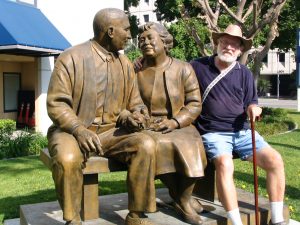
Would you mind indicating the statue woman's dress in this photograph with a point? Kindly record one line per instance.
(172, 91)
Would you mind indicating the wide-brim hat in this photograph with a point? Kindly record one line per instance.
(235, 31)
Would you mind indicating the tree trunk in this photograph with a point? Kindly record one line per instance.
(256, 68)
(244, 57)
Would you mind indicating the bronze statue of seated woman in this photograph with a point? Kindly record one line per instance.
(169, 89)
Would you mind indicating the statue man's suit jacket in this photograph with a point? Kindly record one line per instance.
(72, 93)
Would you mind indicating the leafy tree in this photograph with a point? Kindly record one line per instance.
(128, 3)
(185, 47)
(257, 18)
(289, 21)
(132, 19)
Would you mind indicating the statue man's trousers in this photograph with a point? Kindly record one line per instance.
(137, 150)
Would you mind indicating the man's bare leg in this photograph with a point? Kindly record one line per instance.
(226, 188)
(270, 160)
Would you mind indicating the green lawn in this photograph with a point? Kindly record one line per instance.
(26, 180)
(288, 145)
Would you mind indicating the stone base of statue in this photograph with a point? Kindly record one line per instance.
(113, 210)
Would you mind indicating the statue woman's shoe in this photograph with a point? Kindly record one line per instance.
(196, 204)
(137, 221)
(194, 219)
(280, 223)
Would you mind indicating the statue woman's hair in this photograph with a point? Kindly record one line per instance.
(164, 34)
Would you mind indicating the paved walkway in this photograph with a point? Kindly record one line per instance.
(113, 210)
(278, 103)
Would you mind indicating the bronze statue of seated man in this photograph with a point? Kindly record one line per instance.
(95, 105)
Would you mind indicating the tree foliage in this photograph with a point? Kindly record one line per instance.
(128, 3)
(185, 47)
(132, 19)
(269, 23)
(257, 18)
(289, 21)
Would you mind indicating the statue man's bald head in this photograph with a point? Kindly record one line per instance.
(106, 18)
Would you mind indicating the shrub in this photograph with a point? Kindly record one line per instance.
(7, 127)
(22, 143)
(17, 144)
(274, 112)
(37, 144)
(263, 86)
(274, 120)
(133, 54)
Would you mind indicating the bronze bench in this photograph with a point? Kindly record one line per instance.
(94, 166)
(205, 187)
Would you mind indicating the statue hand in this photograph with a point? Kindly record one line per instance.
(88, 141)
(166, 126)
(138, 64)
(135, 122)
(145, 113)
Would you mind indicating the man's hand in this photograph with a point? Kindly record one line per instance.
(165, 125)
(254, 112)
(88, 141)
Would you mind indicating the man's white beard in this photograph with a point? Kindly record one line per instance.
(225, 58)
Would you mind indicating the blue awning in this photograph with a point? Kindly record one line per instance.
(25, 30)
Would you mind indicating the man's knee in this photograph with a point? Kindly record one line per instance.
(65, 150)
(224, 163)
(270, 159)
(69, 157)
(146, 144)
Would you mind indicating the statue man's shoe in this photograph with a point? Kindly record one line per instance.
(137, 221)
(196, 204)
(193, 219)
(73, 223)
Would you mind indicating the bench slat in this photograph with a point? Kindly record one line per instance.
(95, 164)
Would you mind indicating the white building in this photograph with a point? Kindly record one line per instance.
(280, 62)
(23, 67)
(144, 11)
(277, 67)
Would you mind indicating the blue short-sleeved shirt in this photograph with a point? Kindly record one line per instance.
(224, 109)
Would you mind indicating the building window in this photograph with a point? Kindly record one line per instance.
(29, 2)
(147, 1)
(282, 57)
(146, 18)
(11, 86)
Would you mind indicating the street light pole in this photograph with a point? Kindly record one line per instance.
(298, 69)
(278, 80)
(278, 83)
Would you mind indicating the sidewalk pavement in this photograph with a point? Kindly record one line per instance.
(114, 210)
(278, 103)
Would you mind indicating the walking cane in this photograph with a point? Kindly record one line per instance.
(254, 170)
